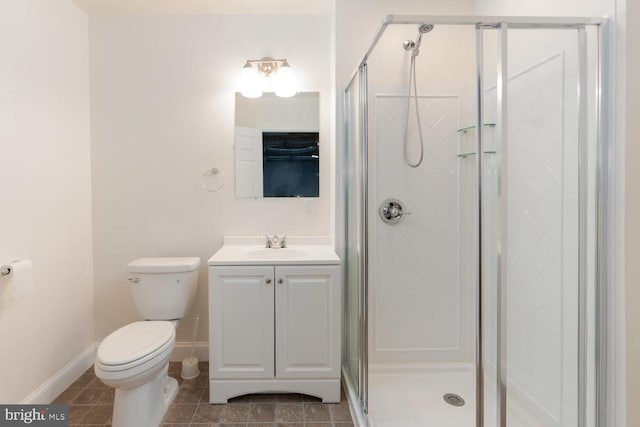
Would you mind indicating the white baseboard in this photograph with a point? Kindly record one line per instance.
(69, 373)
(182, 350)
(62, 379)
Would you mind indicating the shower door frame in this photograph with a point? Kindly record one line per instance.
(603, 192)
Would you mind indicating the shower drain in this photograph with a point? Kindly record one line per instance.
(453, 399)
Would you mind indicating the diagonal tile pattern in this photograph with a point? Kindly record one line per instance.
(91, 404)
(541, 150)
(417, 259)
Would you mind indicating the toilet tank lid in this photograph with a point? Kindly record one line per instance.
(164, 265)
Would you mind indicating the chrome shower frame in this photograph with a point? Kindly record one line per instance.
(603, 203)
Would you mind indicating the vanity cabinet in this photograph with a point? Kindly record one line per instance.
(274, 328)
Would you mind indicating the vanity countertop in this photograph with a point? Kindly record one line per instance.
(300, 250)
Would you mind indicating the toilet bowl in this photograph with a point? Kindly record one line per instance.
(135, 358)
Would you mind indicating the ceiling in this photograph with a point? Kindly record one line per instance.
(205, 7)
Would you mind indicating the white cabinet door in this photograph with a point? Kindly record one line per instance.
(241, 301)
(308, 322)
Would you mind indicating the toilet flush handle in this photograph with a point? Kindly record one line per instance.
(134, 279)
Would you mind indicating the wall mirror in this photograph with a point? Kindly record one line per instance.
(277, 146)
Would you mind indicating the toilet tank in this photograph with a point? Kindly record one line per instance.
(163, 288)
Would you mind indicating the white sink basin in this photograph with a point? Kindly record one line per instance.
(250, 250)
(282, 253)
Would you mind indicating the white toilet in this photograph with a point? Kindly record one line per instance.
(135, 358)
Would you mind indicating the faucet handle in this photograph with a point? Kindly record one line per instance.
(267, 243)
(283, 241)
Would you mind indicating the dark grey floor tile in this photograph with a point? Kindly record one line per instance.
(235, 413)
(340, 411)
(180, 413)
(99, 415)
(343, 395)
(77, 413)
(201, 380)
(96, 383)
(206, 413)
(205, 396)
(67, 396)
(189, 394)
(289, 412)
(83, 380)
(106, 396)
(316, 412)
(349, 424)
(262, 412)
(329, 424)
(88, 396)
(175, 367)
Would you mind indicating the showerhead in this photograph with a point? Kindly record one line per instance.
(425, 28)
(414, 47)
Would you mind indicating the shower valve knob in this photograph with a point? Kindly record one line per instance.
(391, 211)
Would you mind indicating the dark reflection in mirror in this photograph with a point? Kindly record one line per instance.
(290, 164)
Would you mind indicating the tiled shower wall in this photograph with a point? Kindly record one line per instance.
(541, 246)
(419, 311)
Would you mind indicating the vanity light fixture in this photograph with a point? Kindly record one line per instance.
(268, 75)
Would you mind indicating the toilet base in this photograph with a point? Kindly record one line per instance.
(147, 404)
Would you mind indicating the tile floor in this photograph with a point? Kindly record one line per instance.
(91, 403)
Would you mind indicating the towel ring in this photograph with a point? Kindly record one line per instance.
(212, 171)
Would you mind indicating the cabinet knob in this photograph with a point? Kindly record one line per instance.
(280, 281)
(268, 281)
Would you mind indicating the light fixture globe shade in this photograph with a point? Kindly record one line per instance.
(251, 86)
(286, 85)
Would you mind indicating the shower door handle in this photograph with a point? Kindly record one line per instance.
(391, 211)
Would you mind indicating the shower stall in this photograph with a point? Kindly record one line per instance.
(475, 185)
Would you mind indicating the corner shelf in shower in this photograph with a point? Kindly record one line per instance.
(473, 153)
(468, 128)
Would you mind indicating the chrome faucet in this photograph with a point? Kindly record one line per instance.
(275, 242)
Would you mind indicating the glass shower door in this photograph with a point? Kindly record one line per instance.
(354, 257)
(536, 172)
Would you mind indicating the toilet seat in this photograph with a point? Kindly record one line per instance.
(135, 344)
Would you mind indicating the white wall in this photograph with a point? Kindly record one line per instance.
(356, 24)
(162, 99)
(45, 190)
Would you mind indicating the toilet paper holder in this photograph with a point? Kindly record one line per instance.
(5, 270)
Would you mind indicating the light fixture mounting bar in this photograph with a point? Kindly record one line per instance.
(268, 65)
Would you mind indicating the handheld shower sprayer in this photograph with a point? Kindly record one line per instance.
(414, 47)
